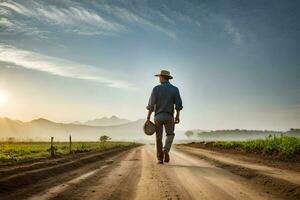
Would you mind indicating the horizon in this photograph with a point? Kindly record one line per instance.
(236, 64)
(84, 123)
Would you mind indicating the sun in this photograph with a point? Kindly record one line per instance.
(3, 98)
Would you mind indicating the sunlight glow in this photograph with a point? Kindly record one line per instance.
(3, 98)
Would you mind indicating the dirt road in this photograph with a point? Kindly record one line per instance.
(134, 174)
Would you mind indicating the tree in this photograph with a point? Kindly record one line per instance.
(104, 138)
(11, 139)
(189, 133)
(294, 129)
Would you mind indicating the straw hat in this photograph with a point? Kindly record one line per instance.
(149, 128)
(164, 73)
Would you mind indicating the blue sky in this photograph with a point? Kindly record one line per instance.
(236, 63)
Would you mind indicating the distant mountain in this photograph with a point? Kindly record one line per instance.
(41, 121)
(43, 129)
(104, 121)
(76, 122)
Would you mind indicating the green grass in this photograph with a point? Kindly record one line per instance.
(18, 151)
(282, 146)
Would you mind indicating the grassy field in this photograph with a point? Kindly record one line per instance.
(282, 146)
(18, 151)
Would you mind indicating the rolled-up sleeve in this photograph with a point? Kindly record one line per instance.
(152, 101)
(178, 101)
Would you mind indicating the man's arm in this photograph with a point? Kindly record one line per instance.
(149, 115)
(151, 105)
(178, 107)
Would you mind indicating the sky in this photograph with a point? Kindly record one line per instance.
(236, 63)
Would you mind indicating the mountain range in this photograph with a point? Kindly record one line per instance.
(118, 129)
(105, 121)
(43, 129)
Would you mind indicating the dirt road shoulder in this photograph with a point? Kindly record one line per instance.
(281, 181)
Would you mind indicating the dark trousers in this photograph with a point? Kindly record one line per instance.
(169, 129)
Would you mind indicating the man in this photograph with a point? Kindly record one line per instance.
(163, 99)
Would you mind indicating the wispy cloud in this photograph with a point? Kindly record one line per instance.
(15, 26)
(128, 16)
(179, 16)
(91, 17)
(57, 66)
(233, 31)
(13, 6)
(6, 23)
(73, 17)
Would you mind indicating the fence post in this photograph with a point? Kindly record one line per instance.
(70, 139)
(52, 148)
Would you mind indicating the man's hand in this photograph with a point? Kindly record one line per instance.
(177, 120)
(148, 121)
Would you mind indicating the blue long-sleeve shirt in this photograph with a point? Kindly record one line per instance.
(164, 98)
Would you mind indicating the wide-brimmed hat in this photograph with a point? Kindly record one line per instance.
(164, 73)
(149, 128)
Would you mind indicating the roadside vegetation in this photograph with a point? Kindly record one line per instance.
(237, 134)
(283, 146)
(19, 151)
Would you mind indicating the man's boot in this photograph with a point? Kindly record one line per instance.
(166, 156)
(160, 162)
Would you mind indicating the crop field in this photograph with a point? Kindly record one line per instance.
(18, 151)
(282, 146)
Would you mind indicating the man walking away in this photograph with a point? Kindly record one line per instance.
(163, 99)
